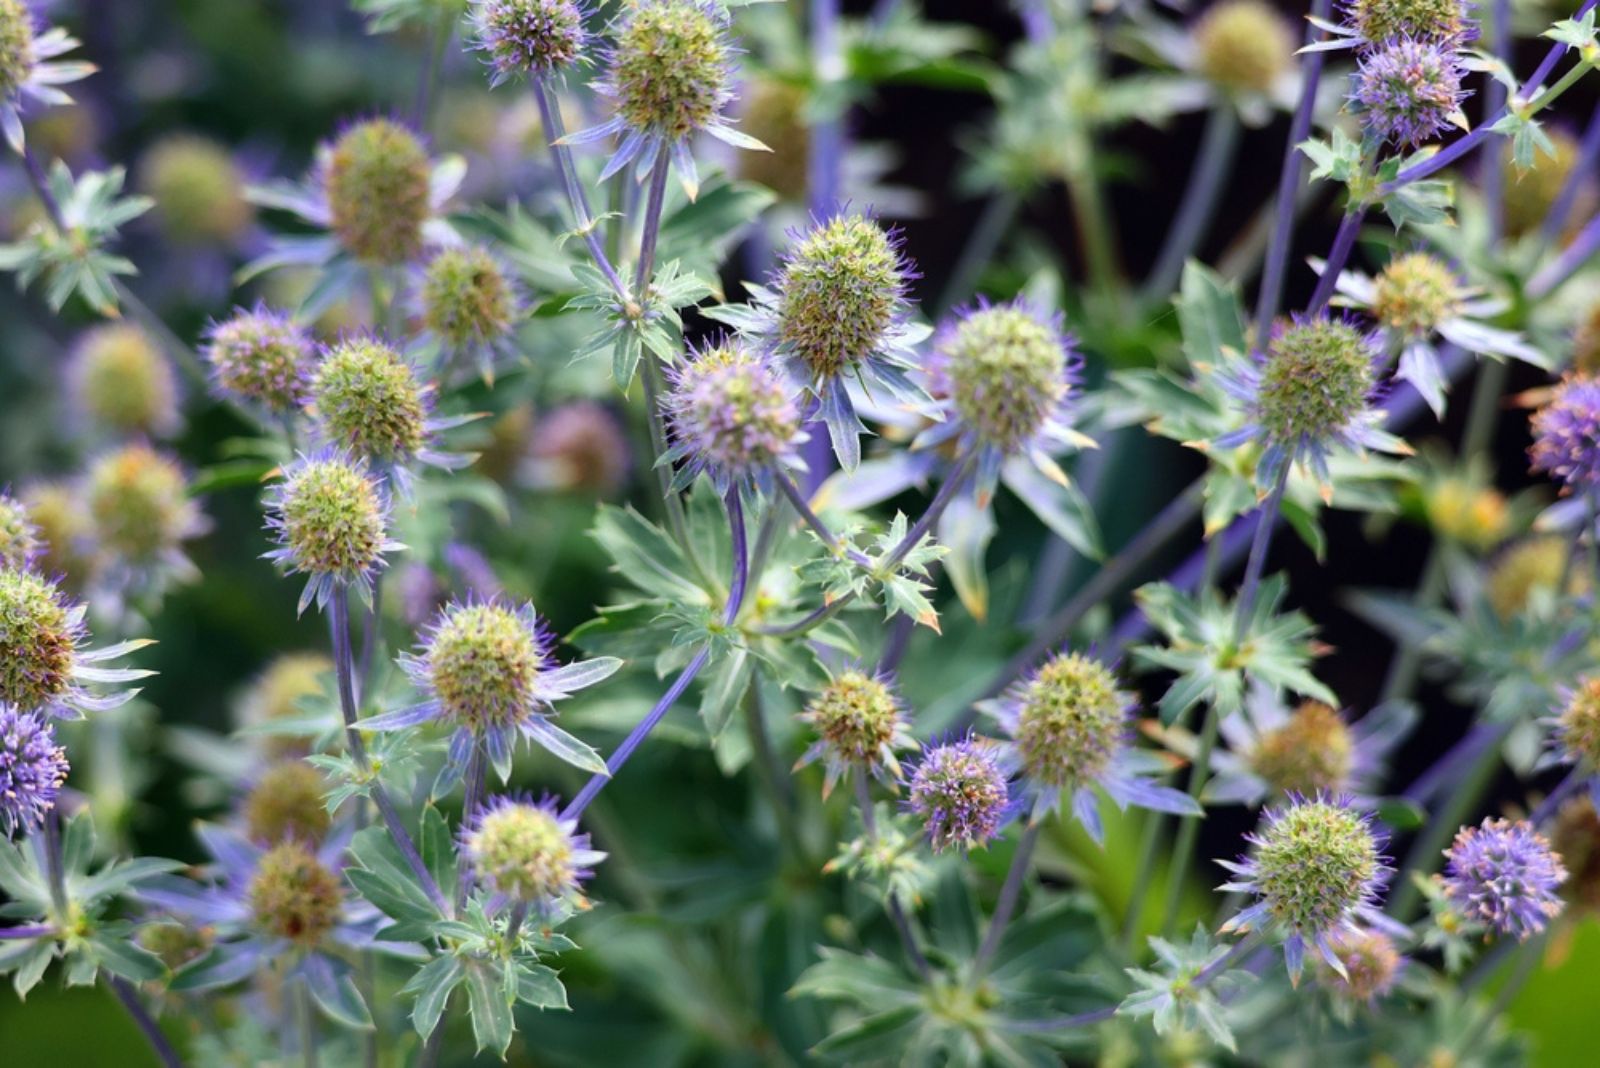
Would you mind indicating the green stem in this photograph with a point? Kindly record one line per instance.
(897, 914)
(1006, 906)
(1189, 830)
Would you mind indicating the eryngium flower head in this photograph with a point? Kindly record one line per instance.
(368, 399)
(961, 793)
(16, 47)
(482, 663)
(1312, 751)
(1244, 46)
(56, 510)
(1566, 434)
(669, 70)
(1070, 720)
(1504, 875)
(261, 357)
(1005, 370)
(294, 896)
(1432, 21)
(287, 802)
(1414, 293)
(1316, 870)
(526, 853)
(141, 510)
(331, 518)
(579, 446)
(1409, 91)
(468, 304)
(527, 37)
(19, 538)
(1578, 724)
(860, 723)
(840, 290)
(30, 72)
(32, 769)
(376, 179)
(731, 414)
(1531, 569)
(122, 383)
(1371, 966)
(1530, 192)
(198, 190)
(1462, 511)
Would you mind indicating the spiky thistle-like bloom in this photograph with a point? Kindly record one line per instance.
(142, 513)
(198, 190)
(121, 384)
(1068, 727)
(1244, 46)
(835, 312)
(286, 802)
(1004, 375)
(490, 674)
(1309, 393)
(860, 724)
(32, 769)
(960, 793)
(1372, 966)
(524, 853)
(731, 416)
(468, 305)
(43, 663)
(1316, 871)
(30, 71)
(261, 357)
(528, 38)
(1371, 24)
(1566, 434)
(668, 74)
(19, 537)
(1408, 92)
(1504, 875)
(330, 515)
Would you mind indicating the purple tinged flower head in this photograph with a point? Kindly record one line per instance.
(841, 290)
(1440, 22)
(331, 518)
(198, 190)
(286, 803)
(860, 723)
(1504, 875)
(731, 414)
(32, 769)
(1409, 91)
(261, 357)
(961, 793)
(39, 637)
(121, 383)
(524, 852)
(1372, 965)
(1316, 869)
(19, 537)
(1244, 46)
(294, 896)
(1566, 434)
(579, 446)
(376, 177)
(528, 37)
(482, 662)
(141, 508)
(57, 511)
(669, 72)
(468, 301)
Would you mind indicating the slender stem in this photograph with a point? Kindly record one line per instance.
(1277, 261)
(952, 485)
(1266, 523)
(344, 671)
(519, 912)
(370, 636)
(827, 141)
(802, 508)
(1582, 170)
(1572, 259)
(1527, 955)
(1461, 799)
(422, 110)
(1343, 242)
(1189, 830)
(472, 800)
(771, 771)
(1144, 876)
(1219, 143)
(894, 647)
(897, 913)
(809, 622)
(1006, 906)
(308, 1027)
(125, 994)
(987, 233)
(577, 199)
(27, 930)
(651, 233)
(1575, 780)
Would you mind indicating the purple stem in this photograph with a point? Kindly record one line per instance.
(1449, 767)
(129, 999)
(1338, 255)
(1575, 779)
(29, 930)
(652, 224)
(1010, 892)
(1494, 100)
(1266, 522)
(472, 800)
(952, 485)
(1036, 21)
(1277, 261)
(1582, 171)
(827, 134)
(577, 199)
(1568, 263)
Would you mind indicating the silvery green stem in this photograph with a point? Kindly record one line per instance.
(422, 110)
(128, 998)
(897, 914)
(1006, 906)
(54, 872)
(1219, 144)
(651, 233)
(472, 800)
(953, 484)
(1189, 830)
(1266, 523)
(802, 508)
(577, 199)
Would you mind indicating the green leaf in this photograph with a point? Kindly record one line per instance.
(540, 987)
(492, 1022)
(437, 845)
(432, 984)
(1209, 316)
(724, 690)
(125, 958)
(646, 556)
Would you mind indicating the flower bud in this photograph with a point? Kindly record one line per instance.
(1316, 380)
(377, 180)
(1475, 516)
(39, 638)
(731, 412)
(483, 663)
(1504, 875)
(16, 47)
(1315, 863)
(1566, 434)
(122, 383)
(32, 769)
(1070, 720)
(840, 290)
(294, 896)
(175, 943)
(960, 793)
(139, 502)
(1414, 293)
(1530, 192)
(860, 723)
(669, 69)
(1575, 835)
(261, 357)
(57, 512)
(1244, 46)
(528, 37)
(369, 399)
(1533, 565)
(198, 190)
(1409, 92)
(276, 695)
(466, 298)
(19, 538)
(579, 447)
(1311, 751)
(1006, 371)
(287, 803)
(528, 854)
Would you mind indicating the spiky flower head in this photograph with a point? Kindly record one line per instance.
(122, 383)
(294, 896)
(841, 289)
(32, 769)
(1575, 836)
(669, 69)
(39, 636)
(368, 399)
(261, 357)
(730, 414)
(961, 793)
(1578, 724)
(528, 37)
(1070, 721)
(16, 47)
(331, 518)
(483, 661)
(198, 190)
(19, 538)
(467, 299)
(1311, 751)
(524, 852)
(1317, 378)
(1005, 369)
(1566, 434)
(1414, 293)
(140, 506)
(1371, 965)
(860, 724)
(1504, 875)
(276, 694)
(57, 512)
(1244, 46)
(287, 802)
(1431, 21)
(376, 177)
(176, 943)
(1316, 868)
(1408, 92)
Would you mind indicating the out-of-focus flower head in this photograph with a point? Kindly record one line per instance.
(579, 446)
(732, 417)
(330, 515)
(1372, 966)
(198, 189)
(1244, 46)
(276, 696)
(1504, 875)
(142, 513)
(524, 853)
(528, 38)
(286, 802)
(121, 383)
(19, 538)
(468, 305)
(1566, 435)
(57, 512)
